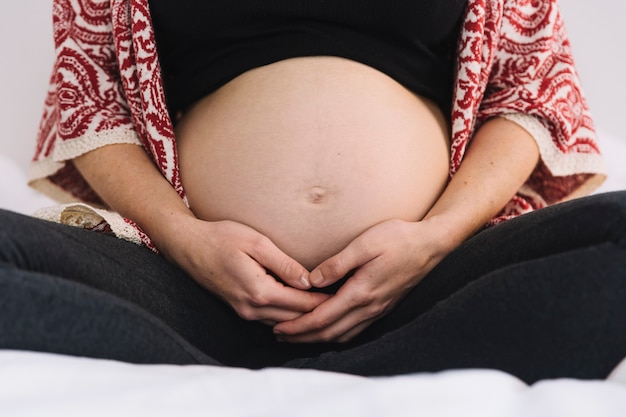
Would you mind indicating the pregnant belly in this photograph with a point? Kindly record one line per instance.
(311, 152)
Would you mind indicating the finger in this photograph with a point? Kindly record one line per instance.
(274, 302)
(271, 316)
(284, 267)
(340, 331)
(355, 331)
(356, 254)
(259, 291)
(340, 318)
(291, 299)
(320, 324)
(338, 335)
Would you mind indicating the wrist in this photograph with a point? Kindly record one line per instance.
(169, 228)
(450, 232)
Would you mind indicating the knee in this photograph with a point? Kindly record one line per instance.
(14, 230)
(617, 198)
(610, 208)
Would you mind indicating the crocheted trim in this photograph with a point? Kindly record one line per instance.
(40, 170)
(70, 149)
(51, 190)
(559, 164)
(88, 217)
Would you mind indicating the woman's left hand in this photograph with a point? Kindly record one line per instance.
(392, 257)
(388, 260)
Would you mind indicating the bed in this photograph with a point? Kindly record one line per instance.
(33, 384)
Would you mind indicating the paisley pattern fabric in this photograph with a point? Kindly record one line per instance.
(514, 60)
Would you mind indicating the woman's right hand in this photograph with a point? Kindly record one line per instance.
(229, 259)
(244, 268)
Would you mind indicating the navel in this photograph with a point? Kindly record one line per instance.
(317, 195)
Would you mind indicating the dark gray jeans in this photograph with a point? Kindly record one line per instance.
(540, 296)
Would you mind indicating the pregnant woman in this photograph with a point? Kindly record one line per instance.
(358, 187)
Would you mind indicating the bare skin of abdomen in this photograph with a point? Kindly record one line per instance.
(311, 152)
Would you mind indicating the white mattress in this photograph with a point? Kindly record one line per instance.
(34, 384)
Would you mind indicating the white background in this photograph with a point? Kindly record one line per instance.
(595, 27)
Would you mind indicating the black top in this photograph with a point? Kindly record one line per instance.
(204, 44)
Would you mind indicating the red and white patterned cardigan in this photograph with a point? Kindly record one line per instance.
(514, 60)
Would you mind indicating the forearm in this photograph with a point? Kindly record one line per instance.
(500, 159)
(229, 259)
(128, 181)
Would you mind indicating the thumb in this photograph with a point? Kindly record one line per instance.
(338, 266)
(282, 266)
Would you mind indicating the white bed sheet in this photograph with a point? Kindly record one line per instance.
(36, 384)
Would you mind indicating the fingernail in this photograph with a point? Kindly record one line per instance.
(305, 282)
(316, 278)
